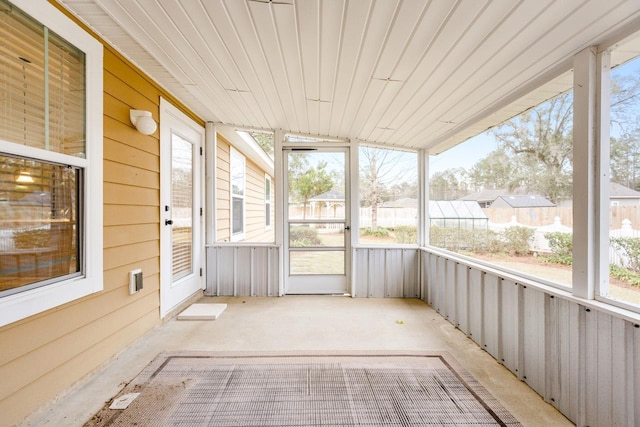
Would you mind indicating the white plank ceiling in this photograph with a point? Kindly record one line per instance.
(406, 73)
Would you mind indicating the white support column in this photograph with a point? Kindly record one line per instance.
(354, 192)
(280, 205)
(210, 176)
(585, 253)
(603, 107)
(353, 195)
(423, 198)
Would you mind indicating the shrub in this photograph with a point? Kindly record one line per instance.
(629, 250)
(405, 234)
(447, 238)
(304, 236)
(517, 240)
(561, 245)
(456, 239)
(378, 232)
(625, 275)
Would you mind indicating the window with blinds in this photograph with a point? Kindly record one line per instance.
(42, 87)
(42, 106)
(39, 233)
(182, 206)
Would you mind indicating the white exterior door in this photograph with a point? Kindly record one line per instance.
(316, 231)
(181, 216)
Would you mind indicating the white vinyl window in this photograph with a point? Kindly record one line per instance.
(50, 160)
(238, 192)
(267, 202)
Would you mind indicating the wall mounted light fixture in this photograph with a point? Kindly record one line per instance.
(24, 177)
(143, 121)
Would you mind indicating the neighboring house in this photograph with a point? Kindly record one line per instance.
(485, 197)
(619, 195)
(521, 201)
(329, 204)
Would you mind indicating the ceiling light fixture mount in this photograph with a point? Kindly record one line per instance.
(143, 121)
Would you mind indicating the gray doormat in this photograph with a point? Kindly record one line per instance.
(386, 389)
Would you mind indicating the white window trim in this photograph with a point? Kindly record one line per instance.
(268, 201)
(235, 237)
(28, 303)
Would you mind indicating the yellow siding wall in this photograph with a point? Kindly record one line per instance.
(45, 354)
(254, 200)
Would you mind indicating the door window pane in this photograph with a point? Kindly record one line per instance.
(182, 206)
(316, 262)
(316, 185)
(39, 235)
(320, 234)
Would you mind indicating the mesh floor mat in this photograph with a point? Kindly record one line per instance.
(218, 390)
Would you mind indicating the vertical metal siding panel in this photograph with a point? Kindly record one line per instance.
(393, 273)
(226, 269)
(491, 315)
(243, 271)
(210, 254)
(259, 271)
(274, 272)
(438, 289)
(589, 372)
(356, 276)
(449, 291)
(603, 368)
(552, 351)
(573, 367)
(462, 298)
(563, 367)
(508, 344)
(534, 339)
(411, 274)
(619, 378)
(475, 305)
(433, 278)
(363, 273)
(376, 273)
(426, 273)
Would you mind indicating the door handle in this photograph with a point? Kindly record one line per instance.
(168, 221)
(347, 228)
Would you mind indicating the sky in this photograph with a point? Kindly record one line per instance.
(463, 155)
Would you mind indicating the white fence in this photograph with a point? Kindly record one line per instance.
(389, 217)
(541, 244)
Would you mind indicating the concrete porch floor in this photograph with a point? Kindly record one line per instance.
(298, 323)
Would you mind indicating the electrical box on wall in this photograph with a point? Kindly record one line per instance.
(135, 281)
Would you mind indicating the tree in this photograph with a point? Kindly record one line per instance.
(264, 140)
(449, 184)
(309, 182)
(379, 169)
(496, 171)
(541, 141)
(625, 160)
